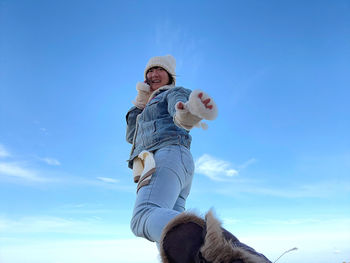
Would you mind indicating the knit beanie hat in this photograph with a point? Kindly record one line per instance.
(167, 62)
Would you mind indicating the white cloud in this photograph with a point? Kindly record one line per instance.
(247, 163)
(83, 209)
(3, 152)
(215, 169)
(87, 251)
(10, 171)
(322, 189)
(229, 221)
(37, 225)
(274, 244)
(44, 225)
(108, 180)
(172, 39)
(315, 190)
(331, 245)
(275, 236)
(15, 170)
(51, 161)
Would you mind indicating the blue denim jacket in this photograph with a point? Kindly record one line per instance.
(154, 125)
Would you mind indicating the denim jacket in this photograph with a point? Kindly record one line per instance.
(153, 127)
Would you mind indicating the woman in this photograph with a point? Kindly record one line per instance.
(158, 128)
(155, 125)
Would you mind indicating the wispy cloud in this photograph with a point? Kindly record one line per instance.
(44, 130)
(54, 224)
(16, 170)
(3, 152)
(271, 243)
(39, 126)
(229, 221)
(50, 161)
(30, 169)
(215, 169)
(72, 251)
(247, 163)
(172, 39)
(20, 173)
(83, 210)
(108, 180)
(324, 189)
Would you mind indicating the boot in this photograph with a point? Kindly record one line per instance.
(182, 239)
(190, 239)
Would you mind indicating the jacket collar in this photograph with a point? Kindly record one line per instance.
(161, 89)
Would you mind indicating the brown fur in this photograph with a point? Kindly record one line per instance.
(217, 249)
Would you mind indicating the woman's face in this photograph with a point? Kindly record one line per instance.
(157, 77)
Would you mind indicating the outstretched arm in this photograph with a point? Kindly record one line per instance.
(205, 102)
(199, 106)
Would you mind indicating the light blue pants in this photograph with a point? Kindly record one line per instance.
(165, 196)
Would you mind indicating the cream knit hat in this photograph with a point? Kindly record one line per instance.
(167, 62)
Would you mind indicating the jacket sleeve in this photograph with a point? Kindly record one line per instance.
(131, 123)
(175, 95)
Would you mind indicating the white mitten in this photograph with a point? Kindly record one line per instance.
(195, 110)
(143, 94)
(183, 117)
(197, 107)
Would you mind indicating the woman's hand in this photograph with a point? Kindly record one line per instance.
(143, 94)
(199, 106)
(205, 102)
(180, 106)
(202, 105)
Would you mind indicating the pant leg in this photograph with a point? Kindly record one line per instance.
(154, 206)
(180, 204)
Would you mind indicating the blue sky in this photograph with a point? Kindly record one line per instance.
(274, 165)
